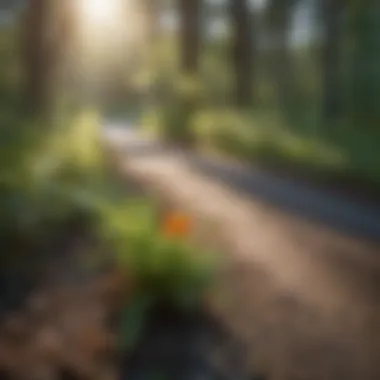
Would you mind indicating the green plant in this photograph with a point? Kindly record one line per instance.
(172, 120)
(163, 268)
(47, 174)
(167, 268)
(263, 137)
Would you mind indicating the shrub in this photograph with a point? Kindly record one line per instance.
(44, 174)
(161, 264)
(173, 118)
(264, 138)
(165, 267)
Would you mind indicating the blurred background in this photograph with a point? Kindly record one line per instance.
(290, 86)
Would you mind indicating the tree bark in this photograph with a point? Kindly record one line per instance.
(36, 58)
(190, 19)
(279, 14)
(365, 74)
(332, 13)
(152, 13)
(190, 40)
(47, 32)
(243, 49)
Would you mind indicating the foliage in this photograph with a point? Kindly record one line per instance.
(45, 174)
(287, 124)
(162, 265)
(173, 119)
(134, 318)
(365, 63)
(10, 69)
(165, 267)
(262, 137)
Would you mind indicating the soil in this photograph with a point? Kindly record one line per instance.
(179, 345)
(65, 327)
(57, 324)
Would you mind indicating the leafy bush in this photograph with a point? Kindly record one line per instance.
(262, 137)
(161, 268)
(173, 119)
(46, 175)
(167, 268)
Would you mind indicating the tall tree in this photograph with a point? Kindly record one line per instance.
(190, 35)
(46, 31)
(332, 17)
(243, 51)
(37, 55)
(152, 10)
(190, 41)
(279, 16)
(366, 62)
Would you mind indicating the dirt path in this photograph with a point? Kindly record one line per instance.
(304, 299)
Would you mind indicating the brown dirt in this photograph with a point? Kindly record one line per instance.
(63, 327)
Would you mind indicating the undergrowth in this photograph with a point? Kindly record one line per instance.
(161, 264)
(262, 137)
(51, 175)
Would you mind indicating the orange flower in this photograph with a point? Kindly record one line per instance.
(176, 225)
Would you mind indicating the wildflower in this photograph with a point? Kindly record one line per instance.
(176, 225)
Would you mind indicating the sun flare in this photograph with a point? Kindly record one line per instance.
(100, 11)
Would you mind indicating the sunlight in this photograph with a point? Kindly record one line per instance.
(109, 45)
(100, 11)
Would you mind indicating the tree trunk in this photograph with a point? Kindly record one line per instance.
(190, 35)
(332, 13)
(366, 64)
(36, 56)
(243, 52)
(280, 12)
(152, 14)
(68, 57)
(187, 102)
(283, 66)
(46, 35)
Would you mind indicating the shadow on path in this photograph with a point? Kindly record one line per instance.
(296, 198)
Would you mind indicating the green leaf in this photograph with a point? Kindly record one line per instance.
(134, 319)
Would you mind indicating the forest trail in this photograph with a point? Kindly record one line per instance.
(303, 295)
